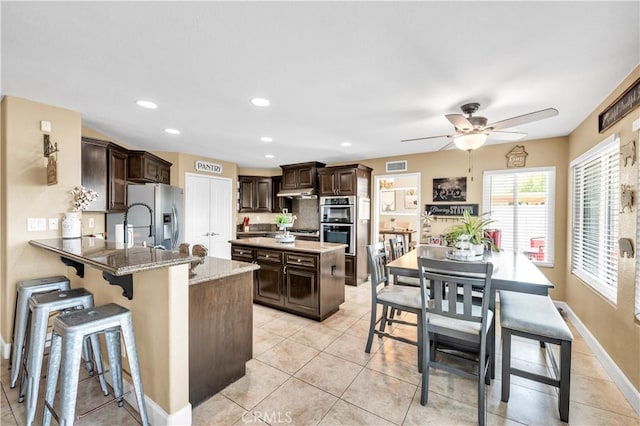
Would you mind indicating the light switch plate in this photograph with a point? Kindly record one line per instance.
(45, 126)
(53, 223)
(36, 224)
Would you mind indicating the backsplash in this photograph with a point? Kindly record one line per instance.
(306, 211)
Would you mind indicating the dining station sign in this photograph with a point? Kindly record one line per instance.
(451, 209)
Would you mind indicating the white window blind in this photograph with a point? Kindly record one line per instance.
(594, 242)
(522, 204)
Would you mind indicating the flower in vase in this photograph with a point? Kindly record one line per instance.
(82, 197)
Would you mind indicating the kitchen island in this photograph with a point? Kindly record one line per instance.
(160, 309)
(302, 277)
(220, 325)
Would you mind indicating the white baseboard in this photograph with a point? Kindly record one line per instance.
(5, 348)
(618, 377)
(157, 415)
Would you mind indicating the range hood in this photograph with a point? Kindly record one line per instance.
(304, 193)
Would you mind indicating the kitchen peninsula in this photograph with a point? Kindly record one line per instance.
(302, 277)
(165, 304)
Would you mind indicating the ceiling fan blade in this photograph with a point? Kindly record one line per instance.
(447, 146)
(506, 136)
(459, 121)
(523, 119)
(427, 137)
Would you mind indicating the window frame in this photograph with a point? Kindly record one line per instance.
(551, 205)
(605, 148)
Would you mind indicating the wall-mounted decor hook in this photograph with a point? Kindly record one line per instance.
(49, 148)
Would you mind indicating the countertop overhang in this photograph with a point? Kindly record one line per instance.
(214, 268)
(297, 245)
(108, 257)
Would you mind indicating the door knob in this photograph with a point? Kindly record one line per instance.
(213, 234)
(206, 235)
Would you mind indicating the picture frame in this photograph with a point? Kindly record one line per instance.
(387, 201)
(410, 201)
(623, 105)
(450, 189)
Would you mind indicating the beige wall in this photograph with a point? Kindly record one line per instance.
(613, 325)
(25, 192)
(454, 162)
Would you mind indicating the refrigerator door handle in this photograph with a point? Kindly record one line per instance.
(175, 227)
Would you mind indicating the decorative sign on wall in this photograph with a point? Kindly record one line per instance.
(620, 107)
(517, 157)
(52, 170)
(628, 152)
(450, 189)
(626, 198)
(450, 209)
(204, 166)
(626, 247)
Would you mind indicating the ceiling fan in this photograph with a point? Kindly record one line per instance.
(471, 132)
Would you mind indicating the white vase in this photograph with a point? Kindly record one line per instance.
(71, 225)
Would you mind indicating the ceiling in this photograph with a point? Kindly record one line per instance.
(368, 73)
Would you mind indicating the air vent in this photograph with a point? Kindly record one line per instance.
(397, 166)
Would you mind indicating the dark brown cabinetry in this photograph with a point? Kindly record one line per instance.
(345, 180)
(254, 194)
(278, 203)
(303, 283)
(104, 169)
(145, 167)
(301, 175)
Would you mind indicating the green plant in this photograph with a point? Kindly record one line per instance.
(283, 218)
(475, 227)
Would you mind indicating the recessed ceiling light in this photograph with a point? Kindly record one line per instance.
(172, 131)
(261, 102)
(146, 104)
(266, 139)
(269, 156)
(345, 144)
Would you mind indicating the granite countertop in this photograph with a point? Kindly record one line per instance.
(106, 256)
(215, 268)
(297, 245)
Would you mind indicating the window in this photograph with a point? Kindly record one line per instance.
(522, 205)
(594, 232)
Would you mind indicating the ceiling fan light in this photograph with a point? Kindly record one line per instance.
(470, 141)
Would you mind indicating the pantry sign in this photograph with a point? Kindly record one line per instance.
(204, 166)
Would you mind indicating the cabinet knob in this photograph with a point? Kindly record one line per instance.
(299, 260)
(266, 255)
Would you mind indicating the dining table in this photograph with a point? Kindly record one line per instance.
(511, 272)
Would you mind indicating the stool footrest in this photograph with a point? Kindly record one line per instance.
(536, 377)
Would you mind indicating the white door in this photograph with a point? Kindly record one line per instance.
(208, 209)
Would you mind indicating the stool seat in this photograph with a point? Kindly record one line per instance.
(25, 290)
(41, 305)
(68, 332)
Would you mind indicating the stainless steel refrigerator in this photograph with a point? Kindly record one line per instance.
(167, 207)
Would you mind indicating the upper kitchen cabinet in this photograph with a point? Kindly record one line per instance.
(352, 179)
(104, 169)
(278, 203)
(145, 167)
(254, 194)
(301, 175)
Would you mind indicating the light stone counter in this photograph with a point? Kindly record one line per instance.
(106, 256)
(297, 245)
(215, 268)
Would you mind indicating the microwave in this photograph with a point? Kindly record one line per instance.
(338, 209)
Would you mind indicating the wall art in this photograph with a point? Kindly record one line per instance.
(628, 152)
(517, 157)
(450, 209)
(626, 247)
(626, 198)
(450, 189)
(620, 107)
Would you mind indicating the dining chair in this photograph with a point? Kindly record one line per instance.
(458, 327)
(388, 295)
(397, 249)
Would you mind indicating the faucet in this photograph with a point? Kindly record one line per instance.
(126, 212)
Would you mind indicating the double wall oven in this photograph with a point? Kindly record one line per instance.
(337, 221)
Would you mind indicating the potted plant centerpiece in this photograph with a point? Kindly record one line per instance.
(475, 228)
(285, 220)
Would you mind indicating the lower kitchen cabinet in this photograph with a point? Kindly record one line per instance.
(350, 270)
(308, 284)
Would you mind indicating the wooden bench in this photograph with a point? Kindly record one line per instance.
(535, 317)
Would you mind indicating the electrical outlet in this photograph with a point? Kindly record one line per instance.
(53, 223)
(92, 222)
(36, 224)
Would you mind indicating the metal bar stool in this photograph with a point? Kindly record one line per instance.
(68, 333)
(41, 306)
(25, 290)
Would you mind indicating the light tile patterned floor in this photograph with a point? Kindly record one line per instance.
(307, 373)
